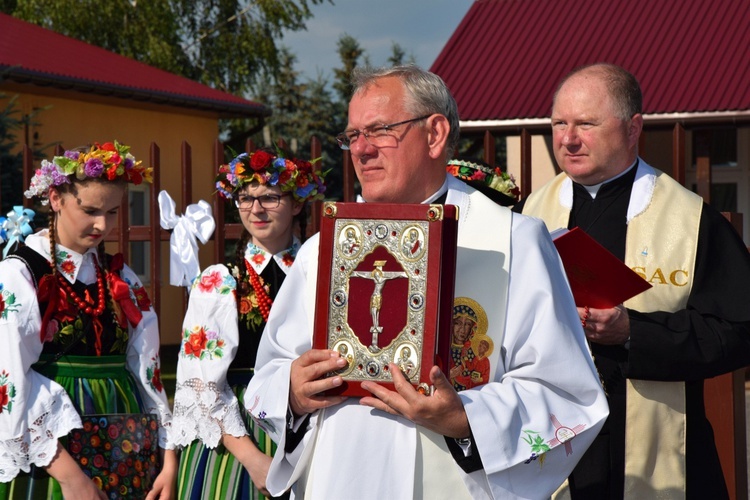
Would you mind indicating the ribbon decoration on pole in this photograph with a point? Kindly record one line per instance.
(197, 223)
(15, 227)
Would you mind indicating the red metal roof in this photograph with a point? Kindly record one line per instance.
(506, 57)
(32, 54)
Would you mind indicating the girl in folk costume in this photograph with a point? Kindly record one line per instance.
(78, 337)
(227, 457)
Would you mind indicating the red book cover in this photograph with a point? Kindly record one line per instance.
(386, 275)
(597, 278)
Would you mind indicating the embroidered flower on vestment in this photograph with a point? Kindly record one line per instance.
(538, 446)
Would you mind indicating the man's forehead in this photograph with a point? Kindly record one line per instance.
(582, 96)
(374, 104)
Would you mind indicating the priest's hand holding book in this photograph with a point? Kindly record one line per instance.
(600, 283)
(605, 326)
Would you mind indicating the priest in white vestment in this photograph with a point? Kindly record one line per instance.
(517, 434)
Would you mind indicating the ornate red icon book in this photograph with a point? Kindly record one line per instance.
(385, 286)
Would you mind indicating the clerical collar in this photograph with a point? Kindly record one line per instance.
(594, 190)
(440, 192)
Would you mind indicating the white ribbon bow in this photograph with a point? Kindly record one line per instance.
(198, 222)
(15, 227)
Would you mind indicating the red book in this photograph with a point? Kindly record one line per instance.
(385, 285)
(597, 278)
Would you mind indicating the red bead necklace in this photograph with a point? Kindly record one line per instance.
(87, 306)
(264, 301)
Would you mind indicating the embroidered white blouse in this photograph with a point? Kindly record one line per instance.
(34, 410)
(205, 407)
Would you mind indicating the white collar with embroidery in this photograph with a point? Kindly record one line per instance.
(259, 258)
(640, 197)
(70, 263)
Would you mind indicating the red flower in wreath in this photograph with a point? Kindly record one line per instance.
(260, 160)
(2, 304)
(196, 342)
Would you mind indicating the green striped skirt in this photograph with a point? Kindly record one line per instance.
(95, 385)
(214, 474)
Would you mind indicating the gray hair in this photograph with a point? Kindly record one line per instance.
(622, 85)
(426, 93)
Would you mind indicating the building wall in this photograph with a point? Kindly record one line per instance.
(75, 119)
(657, 151)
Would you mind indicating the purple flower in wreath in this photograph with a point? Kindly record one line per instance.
(94, 167)
(73, 155)
(262, 414)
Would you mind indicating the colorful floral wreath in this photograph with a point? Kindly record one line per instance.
(111, 161)
(292, 175)
(494, 178)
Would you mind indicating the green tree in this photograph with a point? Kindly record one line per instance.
(397, 55)
(227, 44)
(350, 53)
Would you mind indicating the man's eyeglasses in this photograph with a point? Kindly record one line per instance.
(375, 134)
(266, 201)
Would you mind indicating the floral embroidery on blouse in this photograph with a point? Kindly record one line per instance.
(66, 264)
(153, 373)
(7, 302)
(249, 311)
(214, 282)
(141, 297)
(7, 392)
(259, 258)
(200, 343)
(287, 259)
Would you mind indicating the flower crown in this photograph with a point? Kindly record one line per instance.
(111, 161)
(292, 175)
(494, 178)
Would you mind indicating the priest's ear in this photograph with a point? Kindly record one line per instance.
(438, 130)
(635, 126)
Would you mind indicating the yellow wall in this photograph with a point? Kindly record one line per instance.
(76, 119)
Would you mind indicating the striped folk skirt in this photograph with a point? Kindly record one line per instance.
(96, 385)
(214, 474)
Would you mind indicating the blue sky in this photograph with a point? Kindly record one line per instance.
(420, 27)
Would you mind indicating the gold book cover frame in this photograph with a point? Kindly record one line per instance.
(386, 277)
